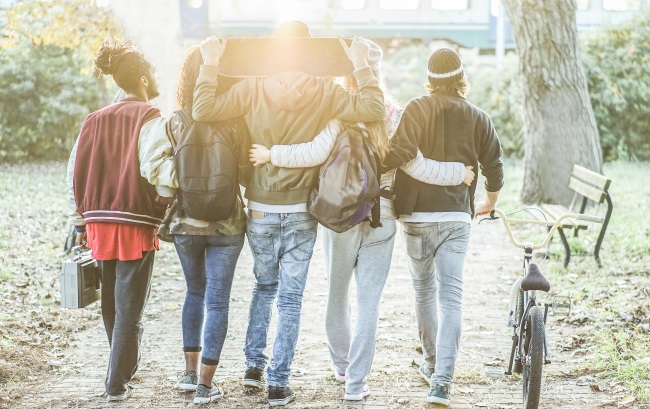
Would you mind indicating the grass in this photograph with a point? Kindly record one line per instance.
(615, 297)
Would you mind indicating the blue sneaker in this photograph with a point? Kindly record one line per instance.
(439, 394)
(425, 372)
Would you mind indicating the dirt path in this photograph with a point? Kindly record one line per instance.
(491, 268)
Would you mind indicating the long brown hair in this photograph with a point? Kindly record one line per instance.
(458, 88)
(377, 129)
(187, 81)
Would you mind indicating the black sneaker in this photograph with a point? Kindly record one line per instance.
(280, 395)
(439, 394)
(254, 377)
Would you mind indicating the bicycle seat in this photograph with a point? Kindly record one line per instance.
(534, 280)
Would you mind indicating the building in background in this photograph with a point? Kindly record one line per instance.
(163, 29)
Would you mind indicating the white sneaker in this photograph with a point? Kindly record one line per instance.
(121, 397)
(358, 396)
(339, 376)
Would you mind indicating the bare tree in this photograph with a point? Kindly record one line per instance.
(560, 128)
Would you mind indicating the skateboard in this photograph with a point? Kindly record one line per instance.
(265, 56)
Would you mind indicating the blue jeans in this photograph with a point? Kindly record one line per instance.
(436, 258)
(282, 245)
(209, 266)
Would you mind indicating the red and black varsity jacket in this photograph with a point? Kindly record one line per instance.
(107, 182)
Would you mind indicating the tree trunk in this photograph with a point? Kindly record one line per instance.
(560, 128)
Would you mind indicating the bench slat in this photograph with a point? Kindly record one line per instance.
(556, 210)
(591, 177)
(588, 191)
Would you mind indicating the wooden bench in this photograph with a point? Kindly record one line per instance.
(588, 186)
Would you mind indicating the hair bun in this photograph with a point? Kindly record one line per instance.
(110, 55)
(103, 60)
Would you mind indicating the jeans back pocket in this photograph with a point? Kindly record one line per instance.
(262, 247)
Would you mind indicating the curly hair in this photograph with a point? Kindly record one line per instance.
(187, 81)
(124, 62)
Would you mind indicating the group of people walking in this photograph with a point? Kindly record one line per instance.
(123, 179)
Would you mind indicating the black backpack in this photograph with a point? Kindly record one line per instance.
(348, 188)
(206, 167)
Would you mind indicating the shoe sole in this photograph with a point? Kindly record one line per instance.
(200, 401)
(439, 401)
(251, 383)
(118, 398)
(186, 387)
(281, 402)
(357, 397)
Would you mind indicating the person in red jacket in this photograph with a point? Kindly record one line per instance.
(120, 211)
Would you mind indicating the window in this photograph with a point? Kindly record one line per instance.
(583, 4)
(449, 5)
(399, 4)
(352, 4)
(621, 5)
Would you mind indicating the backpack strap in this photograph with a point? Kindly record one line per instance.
(184, 117)
(375, 212)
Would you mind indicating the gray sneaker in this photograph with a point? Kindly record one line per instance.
(425, 372)
(439, 394)
(123, 396)
(187, 381)
(207, 395)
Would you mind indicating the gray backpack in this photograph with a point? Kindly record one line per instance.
(348, 188)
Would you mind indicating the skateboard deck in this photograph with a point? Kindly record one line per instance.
(264, 56)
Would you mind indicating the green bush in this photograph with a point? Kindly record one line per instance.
(48, 82)
(617, 61)
(498, 93)
(404, 70)
(43, 102)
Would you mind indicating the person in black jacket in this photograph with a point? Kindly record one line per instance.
(444, 126)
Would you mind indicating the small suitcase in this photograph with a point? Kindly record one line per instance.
(80, 281)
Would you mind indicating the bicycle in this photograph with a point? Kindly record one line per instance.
(526, 316)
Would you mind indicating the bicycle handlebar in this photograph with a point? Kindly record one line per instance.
(554, 225)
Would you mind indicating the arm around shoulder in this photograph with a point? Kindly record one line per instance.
(308, 154)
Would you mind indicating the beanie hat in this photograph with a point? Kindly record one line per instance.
(292, 28)
(444, 67)
(375, 55)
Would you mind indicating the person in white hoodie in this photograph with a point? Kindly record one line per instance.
(362, 251)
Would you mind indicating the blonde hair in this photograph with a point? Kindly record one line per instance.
(377, 129)
(459, 88)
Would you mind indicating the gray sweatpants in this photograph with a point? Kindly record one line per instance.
(367, 253)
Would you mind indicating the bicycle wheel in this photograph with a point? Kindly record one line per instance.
(519, 312)
(533, 357)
